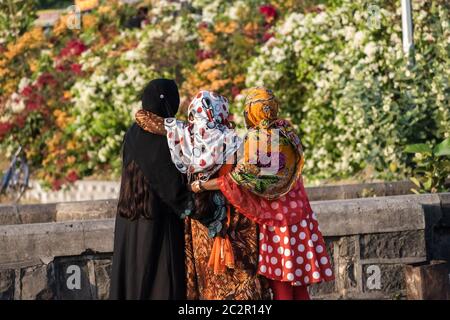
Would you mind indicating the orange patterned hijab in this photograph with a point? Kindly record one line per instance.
(261, 108)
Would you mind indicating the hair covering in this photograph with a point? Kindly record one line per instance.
(266, 179)
(161, 97)
(204, 144)
(261, 107)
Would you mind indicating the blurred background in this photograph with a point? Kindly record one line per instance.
(366, 109)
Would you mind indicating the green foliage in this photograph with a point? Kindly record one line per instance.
(348, 87)
(432, 166)
(15, 17)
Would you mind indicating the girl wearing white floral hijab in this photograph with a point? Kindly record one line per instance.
(202, 145)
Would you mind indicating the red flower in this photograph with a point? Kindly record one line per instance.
(73, 48)
(203, 25)
(72, 176)
(267, 36)
(203, 54)
(60, 67)
(20, 121)
(5, 127)
(46, 79)
(269, 12)
(76, 68)
(56, 184)
(32, 105)
(27, 91)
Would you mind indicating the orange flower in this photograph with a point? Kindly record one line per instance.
(251, 28)
(239, 79)
(71, 160)
(33, 64)
(206, 65)
(208, 38)
(89, 21)
(223, 27)
(71, 145)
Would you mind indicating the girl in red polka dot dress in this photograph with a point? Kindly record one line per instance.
(266, 186)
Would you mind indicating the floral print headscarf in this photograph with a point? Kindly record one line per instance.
(204, 144)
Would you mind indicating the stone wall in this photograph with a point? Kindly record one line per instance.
(42, 247)
(84, 190)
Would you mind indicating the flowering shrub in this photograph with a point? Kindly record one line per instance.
(228, 35)
(38, 69)
(68, 95)
(349, 89)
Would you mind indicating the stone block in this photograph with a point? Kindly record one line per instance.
(103, 268)
(72, 279)
(36, 282)
(393, 245)
(391, 280)
(7, 284)
(346, 264)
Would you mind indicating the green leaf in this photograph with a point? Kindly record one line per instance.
(443, 148)
(428, 184)
(415, 181)
(418, 148)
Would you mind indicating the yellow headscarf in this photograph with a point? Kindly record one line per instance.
(261, 108)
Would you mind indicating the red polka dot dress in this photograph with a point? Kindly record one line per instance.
(295, 252)
(291, 246)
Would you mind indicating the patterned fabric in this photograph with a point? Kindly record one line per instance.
(240, 283)
(284, 211)
(266, 186)
(261, 107)
(273, 156)
(295, 253)
(206, 142)
(150, 122)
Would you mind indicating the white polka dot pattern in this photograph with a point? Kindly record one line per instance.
(294, 253)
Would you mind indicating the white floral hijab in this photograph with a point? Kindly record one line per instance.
(204, 144)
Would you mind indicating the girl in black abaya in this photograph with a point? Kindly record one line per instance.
(148, 260)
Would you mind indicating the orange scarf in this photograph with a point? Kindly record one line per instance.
(222, 256)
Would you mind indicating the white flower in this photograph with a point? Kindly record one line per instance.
(370, 49)
(359, 39)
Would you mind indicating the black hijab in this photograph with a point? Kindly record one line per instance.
(161, 97)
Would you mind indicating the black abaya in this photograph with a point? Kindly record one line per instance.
(148, 259)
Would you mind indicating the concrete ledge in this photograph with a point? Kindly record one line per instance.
(374, 215)
(39, 242)
(359, 190)
(54, 212)
(24, 243)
